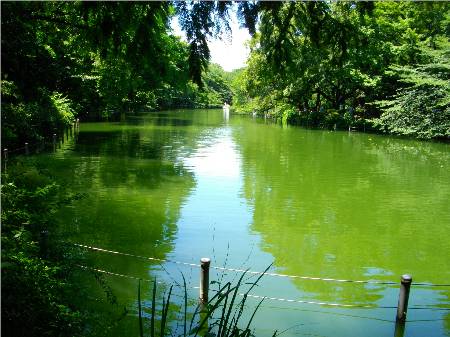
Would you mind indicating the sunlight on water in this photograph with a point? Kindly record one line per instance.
(186, 184)
(217, 159)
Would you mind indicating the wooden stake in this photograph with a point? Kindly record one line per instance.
(204, 279)
(43, 243)
(5, 157)
(403, 298)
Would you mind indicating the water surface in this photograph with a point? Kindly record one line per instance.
(182, 185)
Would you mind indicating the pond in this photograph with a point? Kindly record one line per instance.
(181, 185)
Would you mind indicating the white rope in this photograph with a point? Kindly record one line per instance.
(231, 269)
(136, 256)
(312, 302)
(256, 272)
(116, 274)
(241, 294)
(277, 298)
(302, 277)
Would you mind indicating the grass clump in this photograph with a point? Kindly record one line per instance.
(222, 316)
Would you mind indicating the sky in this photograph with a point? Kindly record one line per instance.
(229, 54)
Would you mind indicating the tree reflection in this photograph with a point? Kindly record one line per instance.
(134, 187)
(351, 206)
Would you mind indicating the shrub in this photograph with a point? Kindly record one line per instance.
(31, 121)
(422, 112)
(36, 287)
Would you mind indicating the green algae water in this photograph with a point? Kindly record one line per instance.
(181, 185)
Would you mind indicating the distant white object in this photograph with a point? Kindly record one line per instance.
(226, 112)
(226, 108)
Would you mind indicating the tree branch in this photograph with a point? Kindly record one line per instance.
(56, 20)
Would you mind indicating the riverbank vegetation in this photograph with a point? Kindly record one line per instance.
(221, 316)
(36, 271)
(378, 65)
(41, 290)
(93, 61)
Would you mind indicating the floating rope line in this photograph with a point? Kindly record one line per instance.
(430, 284)
(428, 308)
(44, 142)
(16, 150)
(340, 305)
(318, 303)
(240, 294)
(327, 313)
(136, 256)
(417, 307)
(305, 277)
(256, 272)
(116, 274)
(230, 269)
(125, 276)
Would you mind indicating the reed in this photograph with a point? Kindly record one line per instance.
(222, 316)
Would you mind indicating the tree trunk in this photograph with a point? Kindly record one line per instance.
(318, 102)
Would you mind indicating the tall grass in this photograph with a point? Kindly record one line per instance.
(222, 316)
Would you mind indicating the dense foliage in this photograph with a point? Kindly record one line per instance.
(94, 60)
(347, 63)
(315, 63)
(36, 293)
(41, 290)
(422, 108)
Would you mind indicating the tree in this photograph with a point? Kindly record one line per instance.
(101, 58)
(421, 107)
(325, 64)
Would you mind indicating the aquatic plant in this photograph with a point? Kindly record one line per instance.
(222, 316)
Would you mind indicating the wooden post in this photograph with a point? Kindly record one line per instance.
(399, 329)
(27, 150)
(43, 243)
(204, 280)
(204, 289)
(5, 157)
(403, 298)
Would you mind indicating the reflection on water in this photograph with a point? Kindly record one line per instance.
(339, 205)
(134, 190)
(350, 206)
(187, 184)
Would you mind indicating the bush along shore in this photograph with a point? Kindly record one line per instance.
(41, 294)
